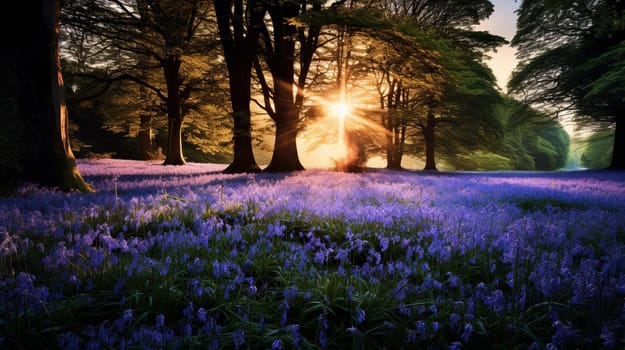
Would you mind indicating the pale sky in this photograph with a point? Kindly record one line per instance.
(503, 23)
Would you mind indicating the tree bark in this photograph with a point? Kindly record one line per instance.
(394, 124)
(618, 150)
(145, 137)
(41, 104)
(239, 45)
(173, 155)
(285, 156)
(430, 144)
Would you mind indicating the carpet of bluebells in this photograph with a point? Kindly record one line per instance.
(164, 257)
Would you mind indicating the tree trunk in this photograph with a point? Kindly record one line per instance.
(430, 144)
(393, 161)
(174, 142)
(243, 161)
(618, 150)
(388, 130)
(145, 138)
(239, 52)
(41, 104)
(285, 156)
(240, 76)
(173, 155)
(393, 141)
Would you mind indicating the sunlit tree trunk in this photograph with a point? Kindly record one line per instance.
(41, 104)
(394, 123)
(173, 154)
(145, 137)
(618, 150)
(285, 155)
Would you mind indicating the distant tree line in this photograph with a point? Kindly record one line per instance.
(177, 79)
(573, 60)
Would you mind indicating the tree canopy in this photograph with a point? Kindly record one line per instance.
(414, 71)
(573, 59)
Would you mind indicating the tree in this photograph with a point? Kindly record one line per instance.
(573, 58)
(466, 107)
(406, 86)
(597, 149)
(284, 98)
(518, 138)
(239, 24)
(462, 80)
(46, 157)
(165, 31)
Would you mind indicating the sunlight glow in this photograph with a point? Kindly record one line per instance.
(341, 110)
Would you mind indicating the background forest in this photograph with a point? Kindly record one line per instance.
(114, 55)
(390, 83)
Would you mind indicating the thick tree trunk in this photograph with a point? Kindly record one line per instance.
(239, 44)
(618, 150)
(240, 76)
(145, 138)
(41, 104)
(174, 142)
(173, 155)
(285, 156)
(430, 144)
(243, 161)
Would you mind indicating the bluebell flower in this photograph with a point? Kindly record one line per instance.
(468, 331)
(454, 322)
(421, 329)
(238, 338)
(290, 293)
(404, 310)
(455, 346)
(352, 330)
(608, 337)
(433, 309)
(188, 311)
(251, 290)
(360, 315)
(411, 336)
(201, 314)
(277, 345)
(160, 321)
(496, 301)
(322, 338)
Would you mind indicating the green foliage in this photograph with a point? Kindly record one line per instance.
(598, 150)
(522, 139)
(573, 54)
(481, 160)
(609, 68)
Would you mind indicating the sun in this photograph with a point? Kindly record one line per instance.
(339, 109)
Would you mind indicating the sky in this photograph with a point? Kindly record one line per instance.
(503, 23)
